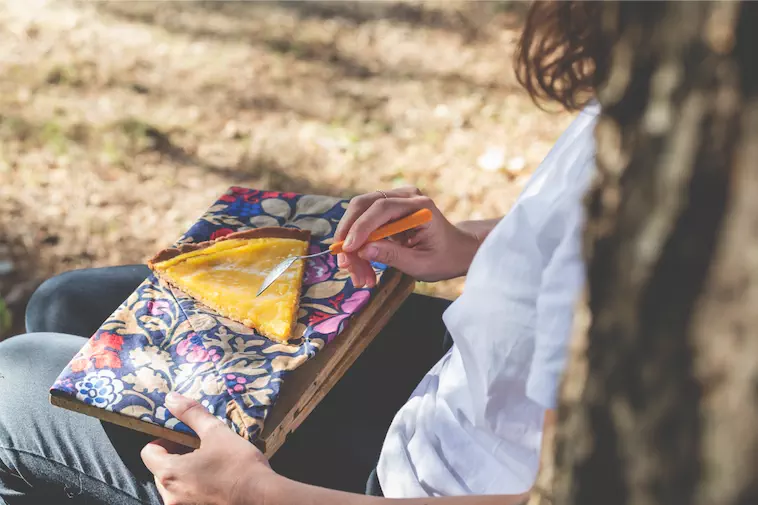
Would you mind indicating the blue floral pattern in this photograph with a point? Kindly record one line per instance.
(101, 389)
(160, 340)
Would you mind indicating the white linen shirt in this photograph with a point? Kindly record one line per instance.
(474, 423)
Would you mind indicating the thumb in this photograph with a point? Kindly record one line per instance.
(192, 414)
(394, 255)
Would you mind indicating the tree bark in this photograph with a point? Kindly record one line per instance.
(660, 401)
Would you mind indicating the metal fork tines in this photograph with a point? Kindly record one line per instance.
(282, 267)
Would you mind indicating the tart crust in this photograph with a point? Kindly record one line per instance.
(265, 232)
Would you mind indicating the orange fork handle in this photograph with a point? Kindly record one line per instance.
(418, 218)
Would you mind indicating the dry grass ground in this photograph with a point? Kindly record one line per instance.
(121, 122)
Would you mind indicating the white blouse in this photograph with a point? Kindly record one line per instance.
(474, 423)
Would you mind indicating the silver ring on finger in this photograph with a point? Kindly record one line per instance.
(382, 193)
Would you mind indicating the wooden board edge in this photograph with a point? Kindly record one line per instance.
(125, 421)
(315, 367)
(274, 436)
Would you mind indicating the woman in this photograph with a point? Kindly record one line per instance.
(472, 426)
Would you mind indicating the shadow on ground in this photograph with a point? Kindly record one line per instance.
(467, 21)
(120, 122)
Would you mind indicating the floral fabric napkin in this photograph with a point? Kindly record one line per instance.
(160, 340)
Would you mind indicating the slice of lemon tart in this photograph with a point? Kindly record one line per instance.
(225, 274)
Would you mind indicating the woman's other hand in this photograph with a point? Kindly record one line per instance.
(225, 470)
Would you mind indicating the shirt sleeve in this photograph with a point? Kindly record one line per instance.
(562, 280)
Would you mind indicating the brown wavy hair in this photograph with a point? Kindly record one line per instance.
(562, 55)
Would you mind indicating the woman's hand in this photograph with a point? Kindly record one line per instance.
(435, 251)
(225, 470)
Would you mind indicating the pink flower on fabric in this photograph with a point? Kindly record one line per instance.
(194, 350)
(354, 303)
(235, 383)
(320, 268)
(158, 307)
(331, 325)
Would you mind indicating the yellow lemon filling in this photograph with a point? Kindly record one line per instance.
(226, 275)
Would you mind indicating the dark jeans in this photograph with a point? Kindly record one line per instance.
(51, 455)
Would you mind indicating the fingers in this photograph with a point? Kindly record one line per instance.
(365, 214)
(379, 213)
(359, 204)
(192, 414)
(156, 455)
(394, 255)
(344, 260)
(362, 273)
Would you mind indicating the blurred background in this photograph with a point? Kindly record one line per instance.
(121, 122)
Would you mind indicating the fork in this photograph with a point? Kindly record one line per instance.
(414, 220)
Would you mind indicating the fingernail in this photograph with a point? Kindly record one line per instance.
(369, 253)
(348, 242)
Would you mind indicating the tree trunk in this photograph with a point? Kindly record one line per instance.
(660, 404)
